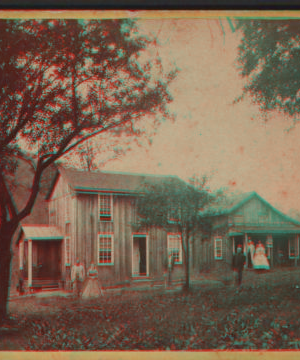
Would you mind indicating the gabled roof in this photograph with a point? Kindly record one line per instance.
(231, 204)
(104, 181)
(40, 232)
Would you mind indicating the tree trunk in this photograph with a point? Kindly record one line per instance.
(186, 286)
(6, 234)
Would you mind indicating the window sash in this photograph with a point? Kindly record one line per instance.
(175, 247)
(218, 248)
(106, 249)
(105, 207)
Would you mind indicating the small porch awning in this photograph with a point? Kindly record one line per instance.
(41, 232)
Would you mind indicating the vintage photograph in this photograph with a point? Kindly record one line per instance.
(149, 182)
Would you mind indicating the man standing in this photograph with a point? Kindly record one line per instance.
(238, 263)
(170, 268)
(77, 277)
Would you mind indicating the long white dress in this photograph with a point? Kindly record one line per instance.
(260, 260)
(91, 288)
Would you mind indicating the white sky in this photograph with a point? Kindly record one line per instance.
(211, 135)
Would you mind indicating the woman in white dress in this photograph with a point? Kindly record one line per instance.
(91, 288)
(260, 260)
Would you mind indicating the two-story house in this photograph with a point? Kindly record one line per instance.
(92, 217)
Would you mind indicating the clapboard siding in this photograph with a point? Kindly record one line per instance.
(82, 211)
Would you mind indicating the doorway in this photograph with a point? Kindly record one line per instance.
(139, 255)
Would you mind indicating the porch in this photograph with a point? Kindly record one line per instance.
(282, 247)
(40, 256)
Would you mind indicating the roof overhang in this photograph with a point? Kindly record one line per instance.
(84, 190)
(40, 233)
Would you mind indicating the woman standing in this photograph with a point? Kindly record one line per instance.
(260, 260)
(91, 288)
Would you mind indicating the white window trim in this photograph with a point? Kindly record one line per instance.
(111, 207)
(68, 238)
(218, 239)
(180, 248)
(297, 246)
(112, 249)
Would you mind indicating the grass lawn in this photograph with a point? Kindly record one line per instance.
(264, 315)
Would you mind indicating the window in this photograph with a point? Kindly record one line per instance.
(218, 248)
(106, 208)
(294, 247)
(67, 243)
(175, 247)
(106, 249)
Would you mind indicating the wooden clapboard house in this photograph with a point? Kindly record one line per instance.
(92, 217)
(249, 217)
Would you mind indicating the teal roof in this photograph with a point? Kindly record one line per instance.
(229, 205)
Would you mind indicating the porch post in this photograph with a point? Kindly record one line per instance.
(21, 254)
(29, 263)
(271, 249)
(297, 249)
(246, 248)
(233, 245)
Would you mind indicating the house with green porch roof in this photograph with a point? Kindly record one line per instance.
(246, 217)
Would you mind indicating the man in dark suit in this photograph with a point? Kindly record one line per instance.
(238, 263)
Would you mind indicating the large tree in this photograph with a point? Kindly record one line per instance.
(178, 207)
(269, 60)
(62, 82)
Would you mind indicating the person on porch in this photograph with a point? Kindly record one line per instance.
(91, 288)
(238, 263)
(250, 253)
(77, 277)
(260, 260)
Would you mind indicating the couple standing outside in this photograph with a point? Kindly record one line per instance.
(85, 288)
(257, 259)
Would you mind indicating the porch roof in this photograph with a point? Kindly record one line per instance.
(263, 231)
(41, 232)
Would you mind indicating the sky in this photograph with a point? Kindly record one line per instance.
(229, 142)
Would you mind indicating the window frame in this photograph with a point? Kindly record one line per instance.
(111, 208)
(170, 235)
(216, 240)
(102, 235)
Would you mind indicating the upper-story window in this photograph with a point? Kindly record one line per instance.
(105, 207)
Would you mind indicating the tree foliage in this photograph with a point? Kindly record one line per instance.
(178, 207)
(269, 60)
(63, 81)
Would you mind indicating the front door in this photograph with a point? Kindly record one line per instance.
(49, 260)
(139, 256)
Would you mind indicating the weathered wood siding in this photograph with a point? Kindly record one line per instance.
(88, 226)
(62, 210)
(256, 213)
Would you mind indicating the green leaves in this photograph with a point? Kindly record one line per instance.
(268, 57)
